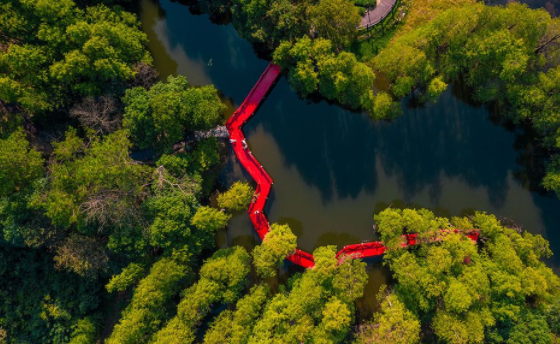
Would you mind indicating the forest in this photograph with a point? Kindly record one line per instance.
(99, 247)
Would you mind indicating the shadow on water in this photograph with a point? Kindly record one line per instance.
(333, 169)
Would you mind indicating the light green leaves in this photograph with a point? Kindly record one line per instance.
(20, 164)
(237, 197)
(161, 116)
(277, 244)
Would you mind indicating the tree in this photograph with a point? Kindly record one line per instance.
(205, 156)
(531, 329)
(272, 22)
(314, 65)
(466, 293)
(393, 324)
(84, 332)
(345, 79)
(44, 304)
(209, 219)
(382, 106)
(81, 254)
(222, 278)
(335, 325)
(175, 228)
(20, 165)
(72, 51)
(436, 88)
(161, 115)
(236, 327)
(129, 276)
(336, 20)
(237, 197)
(310, 308)
(147, 308)
(277, 244)
(145, 75)
(94, 183)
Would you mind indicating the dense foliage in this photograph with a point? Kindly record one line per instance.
(222, 279)
(161, 115)
(96, 246)
(147, 309)
(508, 55)
(72, 52)
(500, 291)
(76, 209)
(271, 22)
(277, 244)
(314, 66)
(237, 198)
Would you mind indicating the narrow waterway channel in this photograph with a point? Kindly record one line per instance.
(333, 169)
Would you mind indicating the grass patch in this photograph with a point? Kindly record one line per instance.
(372, 42)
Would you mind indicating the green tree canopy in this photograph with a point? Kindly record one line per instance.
(393, 324)
(314, 65)
(316, 306)
(287, 20)
(278, 243)
(93, 182)
(237, 197)
(20, 165)
(148, 306)
(466, 293)
(72, 51)
(222, 279)
(236, 327)
(161, 116)
(335, 20)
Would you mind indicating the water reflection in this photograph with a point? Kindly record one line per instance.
(333, 169)
(187, 44)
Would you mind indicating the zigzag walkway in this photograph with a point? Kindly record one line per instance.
(264, 181)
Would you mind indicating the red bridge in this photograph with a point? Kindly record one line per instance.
(264, 181)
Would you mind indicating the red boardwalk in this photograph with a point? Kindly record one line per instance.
(264, 182)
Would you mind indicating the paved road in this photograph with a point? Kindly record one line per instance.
(377, 14)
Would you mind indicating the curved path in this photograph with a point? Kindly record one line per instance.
(376, 15)
(264, 181)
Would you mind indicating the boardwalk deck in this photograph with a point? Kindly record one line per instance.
(376, 15)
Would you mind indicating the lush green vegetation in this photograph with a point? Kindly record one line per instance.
(160, 116)
(271, 23)
(278, 243)
(499, 291)
(72, 50)
(95, 245)
(507, 55)
(237, 198)
(76, 211)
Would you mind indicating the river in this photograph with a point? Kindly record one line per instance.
(333, 169)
